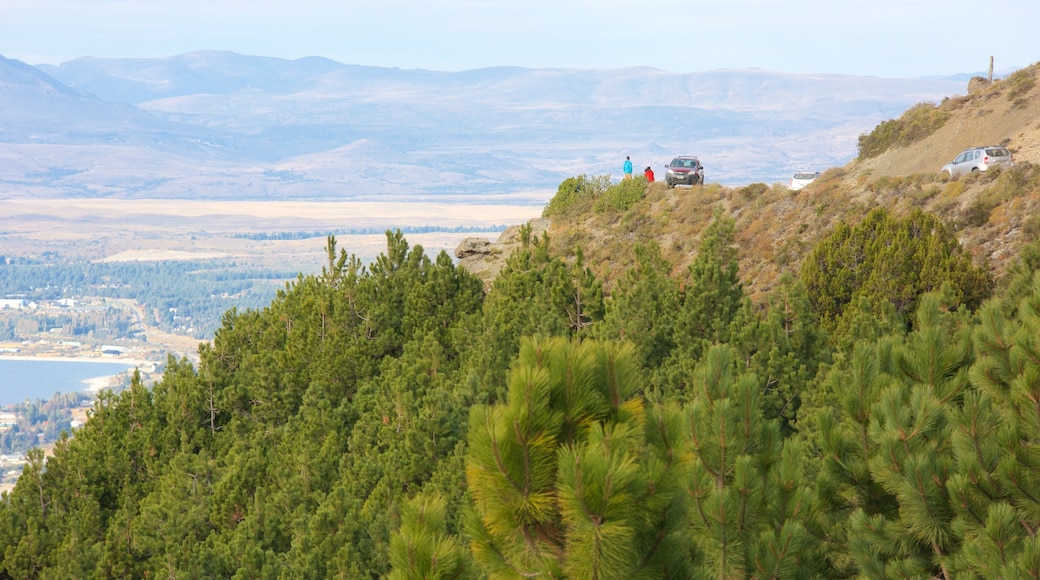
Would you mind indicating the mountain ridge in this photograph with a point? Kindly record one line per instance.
(234, 118)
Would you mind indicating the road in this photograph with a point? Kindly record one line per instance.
(178, 344)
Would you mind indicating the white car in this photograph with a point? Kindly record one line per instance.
(803, 178)
(978, 159)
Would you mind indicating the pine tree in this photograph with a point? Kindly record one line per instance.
(643, 306)
(422, 548)
(536, 294)
(784, 349)
(885, 259)
(713, 307)
(747, 502)
(714, 293)
(888, 449)
(996, 490)
(571, 476)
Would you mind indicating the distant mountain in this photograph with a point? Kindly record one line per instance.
(219, 125)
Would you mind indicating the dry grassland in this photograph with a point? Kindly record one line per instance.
(153, 230)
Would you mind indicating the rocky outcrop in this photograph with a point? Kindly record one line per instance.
(473, 247)
(485, 259)
(977, 84)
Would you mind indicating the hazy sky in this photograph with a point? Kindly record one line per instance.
(891, 38)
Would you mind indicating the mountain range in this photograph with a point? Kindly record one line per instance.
(220, 125)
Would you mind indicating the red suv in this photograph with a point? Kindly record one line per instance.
(684, 171)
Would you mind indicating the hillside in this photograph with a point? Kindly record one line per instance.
(992, 215)
(396, 420)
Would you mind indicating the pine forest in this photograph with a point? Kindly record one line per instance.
(876, 416)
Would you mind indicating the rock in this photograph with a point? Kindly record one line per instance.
(472, 247)
(485, 259)
(977, 84)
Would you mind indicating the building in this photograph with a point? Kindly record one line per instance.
(17, 304)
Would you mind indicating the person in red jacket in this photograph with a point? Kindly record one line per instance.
(649, 173)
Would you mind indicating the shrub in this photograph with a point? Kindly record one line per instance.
(1019, 84)
(576, 193)
(978, 212)
(918, 122)
(753, 190)
(888, 260)
(1009, 183)
(621, 196)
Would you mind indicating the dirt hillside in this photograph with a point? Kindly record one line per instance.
(1006, 112)
(992, 214)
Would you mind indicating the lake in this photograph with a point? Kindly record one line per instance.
(22, 379)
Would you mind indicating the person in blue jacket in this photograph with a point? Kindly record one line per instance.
(628, 167)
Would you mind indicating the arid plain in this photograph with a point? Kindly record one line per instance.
(129, 230)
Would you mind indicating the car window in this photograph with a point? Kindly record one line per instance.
(997, 152)
(960, 158)
(978, 154)
(805, 176)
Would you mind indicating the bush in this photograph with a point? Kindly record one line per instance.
(622, 196)
(886, 259)
(978, 212)
(918, 122)
(1019, 84)
(753, 190)
(576, 193)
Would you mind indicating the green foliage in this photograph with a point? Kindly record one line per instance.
(713, 303)
(393, 421)
(622, 195)
(784, 349)
(289, 448)
(641, 308)
(576, 194)
(887, 260)
(747, 497)
(915, 124)
(422, 548)
(1019, 281)
(536, 294)
(571, 476)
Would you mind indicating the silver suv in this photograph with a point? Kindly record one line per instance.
(978, 159)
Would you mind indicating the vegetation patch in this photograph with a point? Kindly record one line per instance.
(918, 122)
(885, 260)
(621, 196)
(1019, 84)
(576, 194)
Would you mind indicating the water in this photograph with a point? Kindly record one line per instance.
(41, 379)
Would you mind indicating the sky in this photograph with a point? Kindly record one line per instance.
(884, 38)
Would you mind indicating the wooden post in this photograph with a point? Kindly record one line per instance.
(991, 69)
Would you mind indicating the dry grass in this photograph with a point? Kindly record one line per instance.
(127, 230)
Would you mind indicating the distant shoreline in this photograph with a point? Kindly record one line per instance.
(81, 359)
(80, 375)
